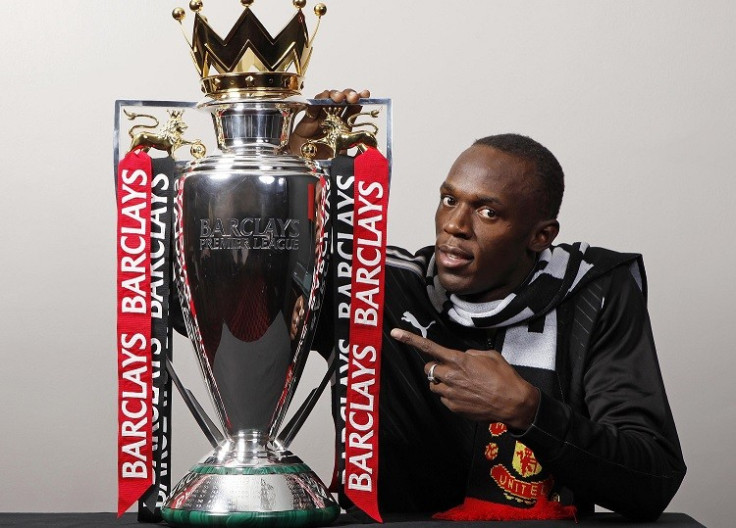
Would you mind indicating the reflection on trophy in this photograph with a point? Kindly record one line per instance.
(251, 243)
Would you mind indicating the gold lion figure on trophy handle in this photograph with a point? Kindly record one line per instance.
(168, 139)
(339, 136)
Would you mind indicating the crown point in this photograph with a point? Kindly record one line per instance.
(246, 3)
(196, 5)
(320, 10)
(299, 4)
(178, 13)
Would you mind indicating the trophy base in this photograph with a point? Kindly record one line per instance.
(245, 483)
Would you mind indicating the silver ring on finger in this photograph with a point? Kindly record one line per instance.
(430, 375)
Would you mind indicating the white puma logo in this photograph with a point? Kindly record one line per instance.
(409, 318)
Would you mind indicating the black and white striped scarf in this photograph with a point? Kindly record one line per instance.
(529, 314)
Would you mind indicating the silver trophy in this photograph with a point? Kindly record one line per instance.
(251, 243)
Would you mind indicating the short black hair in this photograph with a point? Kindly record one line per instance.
(549, 173)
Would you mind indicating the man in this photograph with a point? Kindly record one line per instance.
(519, 378)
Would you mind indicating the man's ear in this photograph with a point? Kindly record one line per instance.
(543, 235)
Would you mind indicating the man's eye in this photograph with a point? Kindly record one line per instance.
(447, 201)
(487, 213)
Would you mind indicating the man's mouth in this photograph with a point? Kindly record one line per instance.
(452, 257)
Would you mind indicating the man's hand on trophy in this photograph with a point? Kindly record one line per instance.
(297, 317)
(310, 126)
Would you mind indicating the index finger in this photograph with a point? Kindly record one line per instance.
(429, 347)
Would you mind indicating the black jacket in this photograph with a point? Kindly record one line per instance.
(611, 438)
(605, 432)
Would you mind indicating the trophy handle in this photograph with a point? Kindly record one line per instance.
(291, 429)
(339, 134)
(213, 433)
(210, 430)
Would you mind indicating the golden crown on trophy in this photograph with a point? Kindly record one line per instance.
(249, 62)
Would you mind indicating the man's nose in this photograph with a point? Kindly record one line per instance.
(458, 222)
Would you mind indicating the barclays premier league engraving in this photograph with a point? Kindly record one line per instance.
(251, 242)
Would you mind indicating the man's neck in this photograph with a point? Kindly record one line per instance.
(517, 280)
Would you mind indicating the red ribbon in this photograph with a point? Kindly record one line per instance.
(135, 414)
(366, 328)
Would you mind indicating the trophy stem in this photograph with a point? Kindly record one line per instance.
(254, 126)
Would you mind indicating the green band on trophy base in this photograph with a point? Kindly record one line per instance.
(301, 518)
(292, 469)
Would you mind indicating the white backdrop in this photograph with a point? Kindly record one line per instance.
(636, 99)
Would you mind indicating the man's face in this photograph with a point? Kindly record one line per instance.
(485, 223)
